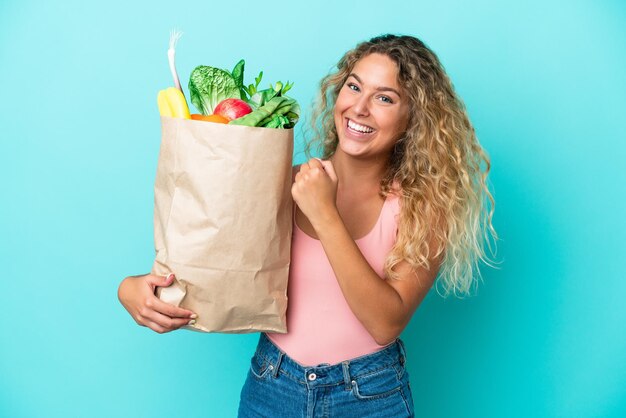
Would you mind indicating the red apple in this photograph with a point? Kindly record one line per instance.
(232, 108)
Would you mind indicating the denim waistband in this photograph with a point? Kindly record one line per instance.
(277, 361)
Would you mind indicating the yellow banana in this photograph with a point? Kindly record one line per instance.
(172, 103)
(178, 104)
(164, 105)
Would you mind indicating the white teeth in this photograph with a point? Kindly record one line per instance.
(360, 128)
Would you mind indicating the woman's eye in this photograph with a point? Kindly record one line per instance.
(353, 87)
(386, 99)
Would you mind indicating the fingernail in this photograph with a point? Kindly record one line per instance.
(171, 275)
(194, 316)
(193, 321)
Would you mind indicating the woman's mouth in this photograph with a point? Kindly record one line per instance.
(358, 129)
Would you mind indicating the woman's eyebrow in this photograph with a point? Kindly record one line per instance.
(378, 88)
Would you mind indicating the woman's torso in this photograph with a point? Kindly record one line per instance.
(321, 326)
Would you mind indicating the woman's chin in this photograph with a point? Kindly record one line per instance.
(352, 148)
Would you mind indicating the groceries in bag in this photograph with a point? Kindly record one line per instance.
(214, 91)
(222, 202)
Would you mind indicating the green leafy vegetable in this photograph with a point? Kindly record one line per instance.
(208, 86)
(278, 121)
(278, 112)
(238, 77)
(259, 98)
(251, 89)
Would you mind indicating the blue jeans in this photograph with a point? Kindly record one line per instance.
(375, 385)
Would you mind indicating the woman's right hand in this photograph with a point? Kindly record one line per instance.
(136, 293)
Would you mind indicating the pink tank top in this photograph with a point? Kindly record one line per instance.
(321, 326)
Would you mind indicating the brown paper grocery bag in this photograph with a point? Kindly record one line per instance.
(223, 223)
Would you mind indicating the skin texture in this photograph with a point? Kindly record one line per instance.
(338, 200)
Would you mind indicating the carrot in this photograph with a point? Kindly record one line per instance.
(209, 118)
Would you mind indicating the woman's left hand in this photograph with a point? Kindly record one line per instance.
(315, 191)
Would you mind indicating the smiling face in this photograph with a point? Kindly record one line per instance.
(371, 111)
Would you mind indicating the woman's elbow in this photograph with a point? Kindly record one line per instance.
(387, 336)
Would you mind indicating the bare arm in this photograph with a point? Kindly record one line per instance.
(384, 307)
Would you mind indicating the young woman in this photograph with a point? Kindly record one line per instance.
(398, 198)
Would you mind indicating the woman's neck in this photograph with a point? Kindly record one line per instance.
(358, 175)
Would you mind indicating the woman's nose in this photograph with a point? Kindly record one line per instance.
(361, 106)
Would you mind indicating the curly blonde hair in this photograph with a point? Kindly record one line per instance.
(446, 206)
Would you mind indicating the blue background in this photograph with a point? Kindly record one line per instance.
(544, 83)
